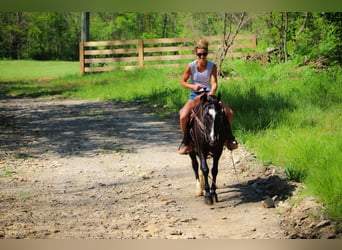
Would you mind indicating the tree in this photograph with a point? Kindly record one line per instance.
(50, 36)
(334, 19)
(229, 35)
(56, 35)
(278, 24)
(13, 34)
(85, 27)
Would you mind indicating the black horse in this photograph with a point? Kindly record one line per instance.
(208, 130)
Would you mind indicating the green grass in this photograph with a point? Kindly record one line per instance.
(6, 173)
(26, 70)
(158, 86)
(291, 117)
(288, 116)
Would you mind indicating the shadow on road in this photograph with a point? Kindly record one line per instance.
(256, 190)
(31, 127)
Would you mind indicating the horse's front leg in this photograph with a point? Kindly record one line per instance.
(198, 175)
(205, 170)
(214, 172)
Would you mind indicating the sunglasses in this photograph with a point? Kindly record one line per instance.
(202, 54)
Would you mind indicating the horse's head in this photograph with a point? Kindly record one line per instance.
(212, 117)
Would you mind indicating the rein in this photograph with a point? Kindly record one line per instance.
(194, 115)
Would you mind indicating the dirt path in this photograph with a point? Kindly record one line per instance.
(79, 169)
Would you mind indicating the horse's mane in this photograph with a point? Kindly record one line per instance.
(201, 122)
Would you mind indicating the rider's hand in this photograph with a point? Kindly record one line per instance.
(197, 87)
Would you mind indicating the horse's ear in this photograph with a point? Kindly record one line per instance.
(219, 97)
(204, 98)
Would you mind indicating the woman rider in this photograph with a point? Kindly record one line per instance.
(203, 76)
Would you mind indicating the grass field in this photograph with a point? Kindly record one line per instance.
(26, 70)
(289, 116)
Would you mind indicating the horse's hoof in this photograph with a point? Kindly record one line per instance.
(214, 196)
(199, 192)
(208, 200)
(199, 189)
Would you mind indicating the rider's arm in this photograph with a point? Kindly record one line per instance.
(213, 80)
(185, 78)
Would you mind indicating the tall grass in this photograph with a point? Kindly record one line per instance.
(289, 116)
(155, 86)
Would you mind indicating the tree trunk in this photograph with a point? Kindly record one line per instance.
(228, 39)
(85, 27)
(286, 23)
(165, 25)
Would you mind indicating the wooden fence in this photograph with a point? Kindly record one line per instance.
(131, 54)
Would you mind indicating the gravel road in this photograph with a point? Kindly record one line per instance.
(72, 169)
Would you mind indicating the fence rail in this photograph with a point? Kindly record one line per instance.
(131, 54)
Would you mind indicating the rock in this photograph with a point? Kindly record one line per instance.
(268, 202)
(170, 202)
(323, 223)
(188, 220)
(331, 236)
(176, 232)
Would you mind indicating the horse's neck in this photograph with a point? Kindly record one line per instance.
(197, 108)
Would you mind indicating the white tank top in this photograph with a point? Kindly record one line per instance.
(202, 78)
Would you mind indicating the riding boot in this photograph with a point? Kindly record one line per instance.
(186, 140)
(231, 142)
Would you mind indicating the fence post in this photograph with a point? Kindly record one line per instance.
(81, 58)
(141, 53)
(254, 40)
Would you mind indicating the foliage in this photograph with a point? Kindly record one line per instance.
(56, 35)
(43, 35)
